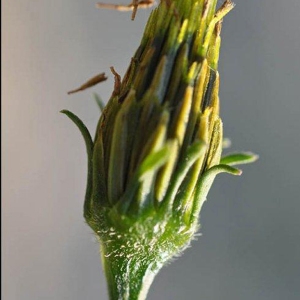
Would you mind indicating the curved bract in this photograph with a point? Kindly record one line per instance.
(158, 145)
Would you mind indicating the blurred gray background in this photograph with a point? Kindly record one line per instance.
(250, 243)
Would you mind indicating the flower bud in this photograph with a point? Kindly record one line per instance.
(158, 146)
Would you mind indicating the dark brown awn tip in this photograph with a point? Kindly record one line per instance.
(117, 87)
(93, 81)
(135, 4)
(205, 9)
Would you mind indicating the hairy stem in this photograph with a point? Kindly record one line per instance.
(128, 278)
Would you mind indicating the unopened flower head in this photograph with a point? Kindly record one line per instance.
(158, 143)
(161, 131)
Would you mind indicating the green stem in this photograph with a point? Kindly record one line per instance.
(128, 278)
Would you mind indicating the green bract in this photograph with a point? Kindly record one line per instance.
(158, 146)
